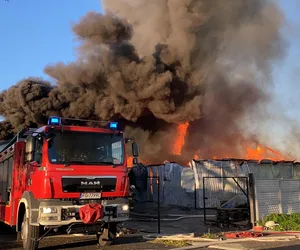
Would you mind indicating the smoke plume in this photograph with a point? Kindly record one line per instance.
(153, 64)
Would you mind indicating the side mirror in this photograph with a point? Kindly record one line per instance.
(135, 149)
(49, 136)
(29, 148)
(39, 137)
(135, 161)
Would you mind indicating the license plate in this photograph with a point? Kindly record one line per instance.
(90, 195)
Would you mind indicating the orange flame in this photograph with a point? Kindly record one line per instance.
(246, 152)
(179, 142)
(262, 152)
(259, 153)
(130, 161)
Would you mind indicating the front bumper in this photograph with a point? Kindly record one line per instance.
(54, 213)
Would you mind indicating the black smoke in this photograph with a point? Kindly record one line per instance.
(155, 64)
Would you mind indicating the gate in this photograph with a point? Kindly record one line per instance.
(229, 196)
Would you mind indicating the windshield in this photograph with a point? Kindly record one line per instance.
(86, 148)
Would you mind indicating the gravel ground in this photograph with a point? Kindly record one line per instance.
(7, 241)
(289, 244)
(255, 245)
(168, 225)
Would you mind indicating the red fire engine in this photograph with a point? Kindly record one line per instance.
(67, 177)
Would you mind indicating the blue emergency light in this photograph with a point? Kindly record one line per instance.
(113, 125)
(54, 121)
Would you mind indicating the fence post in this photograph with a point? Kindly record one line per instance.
(195, 195)
(280, 196)
(158, 205)
(204, 205)
(252, 198)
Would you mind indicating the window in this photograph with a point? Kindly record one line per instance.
(1, 179)
(4, 181)
(10, 168)
(6, 178)
(38, 151)
(86, 148)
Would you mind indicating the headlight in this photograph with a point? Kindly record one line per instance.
(48, 210)
(125, 207)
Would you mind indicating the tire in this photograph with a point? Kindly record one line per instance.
(2, 227)
(19, 238)
(28, 234)
(107, 236)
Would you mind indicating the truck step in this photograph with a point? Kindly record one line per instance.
(84, 229)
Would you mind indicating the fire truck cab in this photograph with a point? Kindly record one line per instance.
(67, 177)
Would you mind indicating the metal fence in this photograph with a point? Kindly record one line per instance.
(239, 203)
(276, 196)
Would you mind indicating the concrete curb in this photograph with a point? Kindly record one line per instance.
(233, 246)
(177, 237)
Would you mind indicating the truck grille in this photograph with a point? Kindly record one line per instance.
(88, 184)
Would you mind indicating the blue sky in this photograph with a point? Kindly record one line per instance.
(286, 77)
(37, 32)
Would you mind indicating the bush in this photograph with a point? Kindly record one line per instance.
(287, 222)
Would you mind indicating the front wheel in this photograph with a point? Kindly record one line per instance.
(106, 237)
(3, 227)
(29, 235)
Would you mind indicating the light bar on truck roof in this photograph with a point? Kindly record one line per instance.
(113, 125)
(54, 120)
(57, 121)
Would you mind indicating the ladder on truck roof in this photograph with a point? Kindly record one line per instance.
(22, 135)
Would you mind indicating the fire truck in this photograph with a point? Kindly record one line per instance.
(68, 177)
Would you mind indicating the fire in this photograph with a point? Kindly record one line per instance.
(263, 152)
(246, 151)
(258, 153)
(179, 141)
(130, 161)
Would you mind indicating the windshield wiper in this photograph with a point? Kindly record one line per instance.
(106, 163)
(68, 163)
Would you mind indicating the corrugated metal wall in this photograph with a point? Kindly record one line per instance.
(217, 190)
(178, 183)
(171, 190)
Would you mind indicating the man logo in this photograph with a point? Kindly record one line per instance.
(90, 183)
